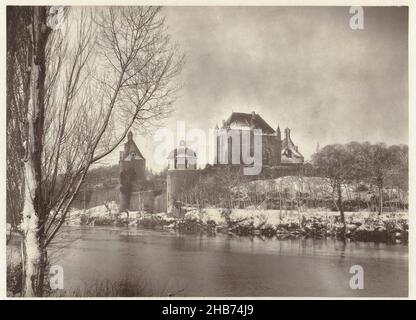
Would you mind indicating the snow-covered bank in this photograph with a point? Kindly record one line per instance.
(363, 226)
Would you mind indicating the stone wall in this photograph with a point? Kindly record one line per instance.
(271, 147)
(138, 165)
(178, 182)
(89, 198)
(149, 201)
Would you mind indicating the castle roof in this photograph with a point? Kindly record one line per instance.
(289, 148)
(182, 152)
(253, 120)
(131, 150)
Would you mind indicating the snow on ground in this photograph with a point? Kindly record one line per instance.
(258, 218)
(98, 212)
(318, 187)
(274, 218)
(293, 184)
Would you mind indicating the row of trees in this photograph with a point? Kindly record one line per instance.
(358, 165)
(334, 177)
(375, 164)
(73, 93)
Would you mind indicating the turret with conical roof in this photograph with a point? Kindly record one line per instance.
(278, 132)
(132, 166)
(290, 151)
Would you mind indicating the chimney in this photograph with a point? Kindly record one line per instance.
(253, 118)
(278, 158)
(287, 133)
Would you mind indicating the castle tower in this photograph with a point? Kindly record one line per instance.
(132, 166)
(181, 176)
(290, 152)
(287, 133)
(182, 158)
(278, 146)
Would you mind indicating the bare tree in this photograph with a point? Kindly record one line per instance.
(378, 165)
(18, 77)
(113, 73)
(381, 161)
(336, 163)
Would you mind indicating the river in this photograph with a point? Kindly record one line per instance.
(168, 263)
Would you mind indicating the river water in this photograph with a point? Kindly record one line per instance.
(201, 266)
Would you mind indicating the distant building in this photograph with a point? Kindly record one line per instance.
(182, 158)
(132, 191)
(275, 151)
(131, 157)
(132, 171)
(290, 151)
(181, 176)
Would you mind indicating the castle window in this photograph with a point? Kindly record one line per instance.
(288, 153)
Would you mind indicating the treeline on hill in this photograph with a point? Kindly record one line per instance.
(109, 177)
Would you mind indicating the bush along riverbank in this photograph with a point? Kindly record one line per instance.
(360, 226)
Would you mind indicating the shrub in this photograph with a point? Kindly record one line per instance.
(14, 279)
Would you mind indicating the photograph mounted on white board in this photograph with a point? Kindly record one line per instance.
(207, 151)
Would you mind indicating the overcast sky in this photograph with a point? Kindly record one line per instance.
(301, 67)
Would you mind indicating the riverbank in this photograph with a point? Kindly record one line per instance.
(360, 226)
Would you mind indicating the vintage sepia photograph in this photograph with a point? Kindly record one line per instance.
(207, 151)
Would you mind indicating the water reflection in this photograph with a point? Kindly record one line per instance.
(200, 265)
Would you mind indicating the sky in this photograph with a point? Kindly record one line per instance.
(298, 67)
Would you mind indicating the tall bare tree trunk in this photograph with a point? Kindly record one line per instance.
(29, 227)
(33, 209)
(341, 210)
(380, 195)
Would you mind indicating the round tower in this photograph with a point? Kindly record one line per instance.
(182, 175)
